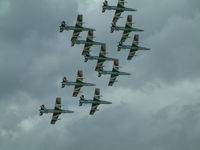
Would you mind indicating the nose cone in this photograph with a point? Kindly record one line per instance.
(106, 102)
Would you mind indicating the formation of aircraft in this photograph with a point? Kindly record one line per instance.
(118, 9)
(114, 73)
(133, 48)
(56, 111)
(95, 102)
(77, 85)
(101, 58)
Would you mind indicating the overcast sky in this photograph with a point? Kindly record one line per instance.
(156, 108)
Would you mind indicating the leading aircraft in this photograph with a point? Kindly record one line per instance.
(100, 59)
(127, 29)
(88, 42)
(118, 9)
(114, 73)
(95, 102)
(77, 28)
(133, 48)
(78, 84)
(56, 111)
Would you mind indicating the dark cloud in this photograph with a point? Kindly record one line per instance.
(155, 108)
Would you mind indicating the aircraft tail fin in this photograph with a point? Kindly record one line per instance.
(105, 3)
(119, 47)
(42, 107)
(62, 26)
(63, 81)
(81, 98)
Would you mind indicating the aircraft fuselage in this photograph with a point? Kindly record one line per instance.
(136, 48)
(118, 8)
(99, 58)
(117, 28)
(113, 73)
(77, 83)
(75, 28)
(94, 102)
(55, 111)
(87, 42)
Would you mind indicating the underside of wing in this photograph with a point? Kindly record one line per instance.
(79, 78)
(96, 94)
(129, 22)
(99, 64)
(54, 118)
(93, 109)
(79, 21)
(124, 36)
(86, 49)
(58, 103)
(116, 16)
(76, 90)
(112, 79)
(75, 35)
(131, 55)
(103, 51)
(57, 107)
(120, 3)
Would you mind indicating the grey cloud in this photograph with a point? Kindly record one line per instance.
(35, 56)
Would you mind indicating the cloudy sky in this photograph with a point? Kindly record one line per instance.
(156, 108)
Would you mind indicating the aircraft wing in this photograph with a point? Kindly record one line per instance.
(96, 98)
(79, 24)
(134, 43)
(112, 79)
(128, 25)
(79, 79)
(131, 54)
(135, 40)
(77, 89)
(90, 37)
(102, 54)
(120, 4)
(115, 69)
(57, 107)
(118, 12)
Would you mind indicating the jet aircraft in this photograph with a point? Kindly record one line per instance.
(78, 84)
(114, 73)
(127, 29)
(118, 9)
(88, 42)
(100, 59)
(56, 111)
(77, 28)
(133, 48)
(95, 102)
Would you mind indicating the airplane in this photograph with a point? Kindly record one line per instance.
(127, 29)
(118, 9)
(56, 111)
(77, 28)
(95, 102)
(88, 42)
(101, 58)
(114, 73)
(78, 84)
(133, 48)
